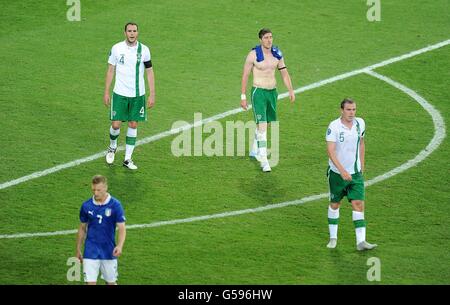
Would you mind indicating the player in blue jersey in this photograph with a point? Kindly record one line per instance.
(99, 217)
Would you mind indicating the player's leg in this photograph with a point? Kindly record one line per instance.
(356, 197)
(333, 222)
(254, 150)
(270, 98)
(118, 113)
(130, 144)
(262, 146)
(114, 132)
(337, 187)
(108, 268)
(259, 113)
(259, 103)
(91, 268)
(136, 114)
(360, 226)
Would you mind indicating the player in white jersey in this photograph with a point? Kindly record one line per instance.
(346, 151)
(128, 59)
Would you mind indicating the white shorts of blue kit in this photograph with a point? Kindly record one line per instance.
(107, 267)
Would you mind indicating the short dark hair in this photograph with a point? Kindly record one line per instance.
(263, 32)
(130, 23)
(97, 179)
(346, 101)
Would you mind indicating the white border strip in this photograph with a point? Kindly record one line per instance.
(438, 138)
(219, 116)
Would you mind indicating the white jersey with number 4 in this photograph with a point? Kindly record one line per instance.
(129, 68)
(347, 144)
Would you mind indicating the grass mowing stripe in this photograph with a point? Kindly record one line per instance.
(439, 135)
(220, 116)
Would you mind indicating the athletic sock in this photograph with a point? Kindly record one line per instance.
(360, 226)
(255, 142)
(113, 135)
(130, 142)
(333, 221)
(262, 143)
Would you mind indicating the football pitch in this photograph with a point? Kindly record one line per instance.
(219, 219)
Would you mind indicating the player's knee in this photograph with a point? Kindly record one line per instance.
(358, 205)
(115, 124)
(334, 205)
(132, 124)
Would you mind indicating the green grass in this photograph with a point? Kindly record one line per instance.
(52, 113)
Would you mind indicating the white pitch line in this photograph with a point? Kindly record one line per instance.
(220, 116)
(439, 135)
(439, 127)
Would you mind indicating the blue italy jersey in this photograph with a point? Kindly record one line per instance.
(101, 227)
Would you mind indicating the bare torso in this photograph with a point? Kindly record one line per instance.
(264, 72)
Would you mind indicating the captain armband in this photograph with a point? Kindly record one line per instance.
(148, 64)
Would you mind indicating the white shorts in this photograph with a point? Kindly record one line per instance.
(108, 268)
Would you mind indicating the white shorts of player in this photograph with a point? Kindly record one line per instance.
(108, 268)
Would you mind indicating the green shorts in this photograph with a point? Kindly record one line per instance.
(339, 188)
(128, 108)
(264, 104)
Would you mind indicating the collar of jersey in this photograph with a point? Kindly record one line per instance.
(343, 125)
(133, 47)
(108, 198)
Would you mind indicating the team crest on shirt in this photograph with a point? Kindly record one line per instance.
(329, 131)
(108, 212)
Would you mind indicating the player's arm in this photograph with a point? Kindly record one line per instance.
(286, 79)
(108, 81)
(248, 65)
(121, 239)
(80, 240)
(362, 152)
(331, 149)
(151, 85)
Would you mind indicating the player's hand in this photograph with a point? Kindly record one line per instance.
(292, 96)
(106, 99)
(346, 176)
(117, 251)
(244, 104)
(150, 102)
(79, 256)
